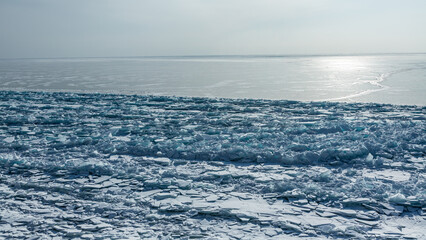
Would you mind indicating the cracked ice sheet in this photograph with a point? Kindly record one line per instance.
(398, 176)
(111, 166)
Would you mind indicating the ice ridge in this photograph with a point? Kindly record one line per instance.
(107, 166)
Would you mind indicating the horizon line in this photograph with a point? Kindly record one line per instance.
(224, 55)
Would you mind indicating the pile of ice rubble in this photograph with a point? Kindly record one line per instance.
(97, 166)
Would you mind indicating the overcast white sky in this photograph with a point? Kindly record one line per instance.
(98, 28)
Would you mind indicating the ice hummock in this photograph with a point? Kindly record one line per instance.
(108, 166)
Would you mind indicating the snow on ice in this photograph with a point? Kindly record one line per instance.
(98, 166)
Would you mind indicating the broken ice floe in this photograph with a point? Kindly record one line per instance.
(111, 166)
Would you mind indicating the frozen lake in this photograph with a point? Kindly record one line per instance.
(395, 79)
(105, 166)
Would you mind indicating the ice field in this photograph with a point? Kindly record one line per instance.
(98, 166)
(384, 78)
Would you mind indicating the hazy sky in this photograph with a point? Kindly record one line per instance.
(80, 28)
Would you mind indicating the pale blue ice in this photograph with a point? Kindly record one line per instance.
(386, 78)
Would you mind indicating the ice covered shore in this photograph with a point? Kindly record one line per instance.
(117, 166)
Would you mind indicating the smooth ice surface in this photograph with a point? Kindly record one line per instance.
(395, 79)
(99, 166)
